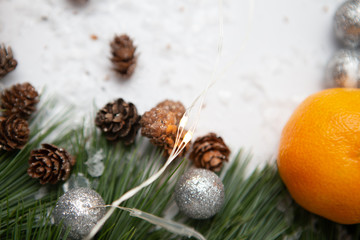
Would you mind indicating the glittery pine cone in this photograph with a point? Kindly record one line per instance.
(7, 61)
(50, 164)
(209, 152)
(20, 99)
(14, 133)
(119, 120)
(123, 55)
(160, 124)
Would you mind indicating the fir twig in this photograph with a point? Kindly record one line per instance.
(256, 207)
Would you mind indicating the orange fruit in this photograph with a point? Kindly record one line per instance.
(319, 155)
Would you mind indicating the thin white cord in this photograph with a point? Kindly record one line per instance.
(174, 227)
(244, 41)
(180, 145)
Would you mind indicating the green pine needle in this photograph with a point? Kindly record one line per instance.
(256, 207)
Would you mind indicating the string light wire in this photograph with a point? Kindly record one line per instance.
(188, 115)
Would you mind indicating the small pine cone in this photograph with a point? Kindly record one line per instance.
(14, 132)
(50, 164)
(7, 61)
(119, 120)
(209, 152)
(20, 99)
(160, 124)
(123, 58)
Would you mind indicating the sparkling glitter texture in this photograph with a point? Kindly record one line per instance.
(347, 23)
(343, 69)
(199, 193)
(74, 209)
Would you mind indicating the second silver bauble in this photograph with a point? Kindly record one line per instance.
(77, 210)
(347, 23)
(343, 69)
(199, 193)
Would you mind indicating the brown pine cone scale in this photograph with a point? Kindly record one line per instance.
(14, 133)
(7, 61)
(160, 125)
(209, 151)
(123, 55)
(50, 164)
(20, 99)
(119, 121)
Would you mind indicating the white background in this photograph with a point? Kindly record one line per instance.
(282, 62)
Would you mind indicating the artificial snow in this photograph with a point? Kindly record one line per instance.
(272, 58)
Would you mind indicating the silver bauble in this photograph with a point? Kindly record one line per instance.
(343, 69)
(75, 210)
(347, 23)
(199, 193)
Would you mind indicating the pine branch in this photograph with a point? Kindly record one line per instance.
(256, 207)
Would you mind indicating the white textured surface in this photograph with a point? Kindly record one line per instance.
(289, 45)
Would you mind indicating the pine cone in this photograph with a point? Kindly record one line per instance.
(14, 132)
(209, 152)
(119, 120)
(7, 61)
(50, 164)
(160, 124)
(20, 99)
(123, 52)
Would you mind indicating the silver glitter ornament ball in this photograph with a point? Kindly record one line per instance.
(199, 193)
(75, 210)
(347, 23)
(343, 69)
